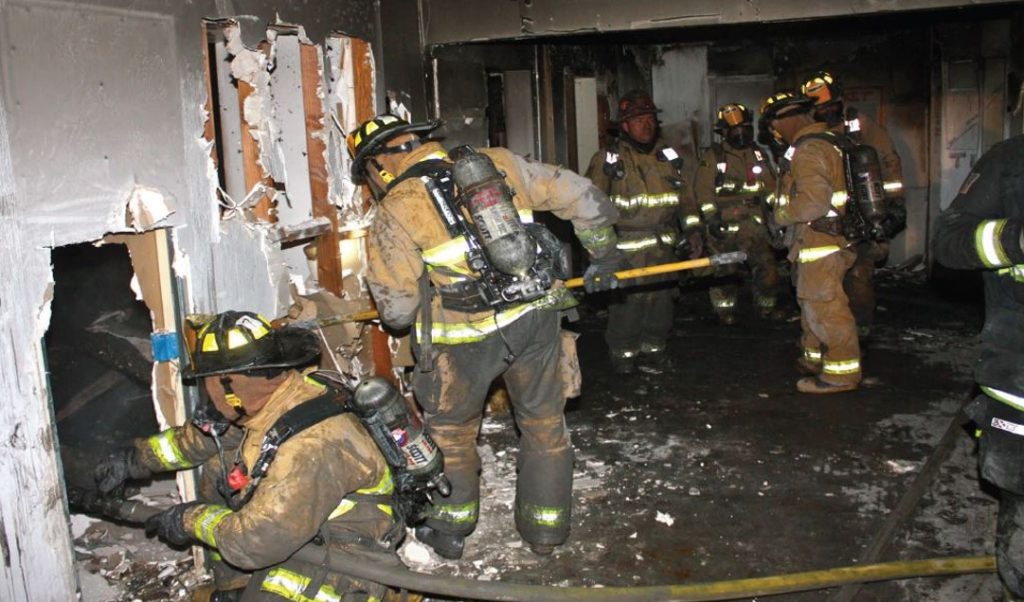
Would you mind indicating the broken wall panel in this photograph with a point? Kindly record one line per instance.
(107, 101)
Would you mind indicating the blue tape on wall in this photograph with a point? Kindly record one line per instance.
(165, 346)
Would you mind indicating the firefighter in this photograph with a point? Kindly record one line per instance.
(327, 484)
(810, 200)
(732, 184)
(983, 229)
(827, 91)
(642, 176)
(465, 333)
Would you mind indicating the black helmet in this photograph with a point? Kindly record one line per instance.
(241, 341)
(784, 103)
(375, 132)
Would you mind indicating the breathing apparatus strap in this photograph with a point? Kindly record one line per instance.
(291, 423)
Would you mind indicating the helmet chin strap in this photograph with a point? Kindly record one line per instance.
(229, 395)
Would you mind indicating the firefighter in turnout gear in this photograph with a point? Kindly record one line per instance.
(732, 185)
(827, 91)
(327, 485)
(984, 229)
(811, 200)
(425, 271)
(642, 176)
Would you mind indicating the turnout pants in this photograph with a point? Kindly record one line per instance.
(527, 354)
(1000, 456)
(859, 282)
(829, 336)
(752, 239)
(640, 315)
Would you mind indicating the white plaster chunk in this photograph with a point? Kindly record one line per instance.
(147, 207)
(399, 109)
(45, 310)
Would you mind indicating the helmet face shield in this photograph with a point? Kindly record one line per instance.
(823, 88)
(734, 114)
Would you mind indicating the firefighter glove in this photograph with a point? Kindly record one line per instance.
(600, 274)
(119, 466)
(690, 246)
(895, 220)
(169, 525)
(716, 227)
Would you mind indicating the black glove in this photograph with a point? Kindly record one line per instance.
(776, 233)
(895, 220)
(716, 227)
(119, 466)
(690, 246)
(169, 525)
(600, 274)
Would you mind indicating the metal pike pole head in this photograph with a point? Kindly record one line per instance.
(724, 258)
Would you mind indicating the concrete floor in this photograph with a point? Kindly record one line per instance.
(718, 469)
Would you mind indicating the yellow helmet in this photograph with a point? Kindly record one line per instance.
(822, 87)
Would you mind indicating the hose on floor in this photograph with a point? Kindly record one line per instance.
(470, 589)
(715, 590)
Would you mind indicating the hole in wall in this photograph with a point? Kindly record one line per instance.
(99, 362)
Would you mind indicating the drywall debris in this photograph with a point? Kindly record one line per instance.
(147, 207)
(253, 67)
(664, 517)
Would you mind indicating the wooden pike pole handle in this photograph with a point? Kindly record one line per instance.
(653, 270)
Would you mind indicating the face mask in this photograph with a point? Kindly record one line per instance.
(740, 136)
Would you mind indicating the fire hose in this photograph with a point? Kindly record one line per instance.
(653, 270)
(137, 512)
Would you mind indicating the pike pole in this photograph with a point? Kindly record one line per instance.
(652, 270)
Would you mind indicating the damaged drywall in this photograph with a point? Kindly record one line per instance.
(105, 102)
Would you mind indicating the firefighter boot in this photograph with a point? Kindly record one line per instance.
(808, 367)
(446, 545)
(624, 362)
(653, 359)
(542, 549)
(813, 384)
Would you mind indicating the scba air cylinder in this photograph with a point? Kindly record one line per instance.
(399, 433)
(866, 170)
(483, 190)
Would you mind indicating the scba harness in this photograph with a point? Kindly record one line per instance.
(414, 473)
(493, 259)
(863, 206)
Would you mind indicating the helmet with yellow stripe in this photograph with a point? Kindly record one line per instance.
(242, 341)
(733, 114)
(823, 87)
(369, 138)
(783, 104)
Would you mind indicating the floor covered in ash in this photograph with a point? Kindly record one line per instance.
(718, 469)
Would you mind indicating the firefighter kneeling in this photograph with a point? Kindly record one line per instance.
(327, 484)
(812, 200)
